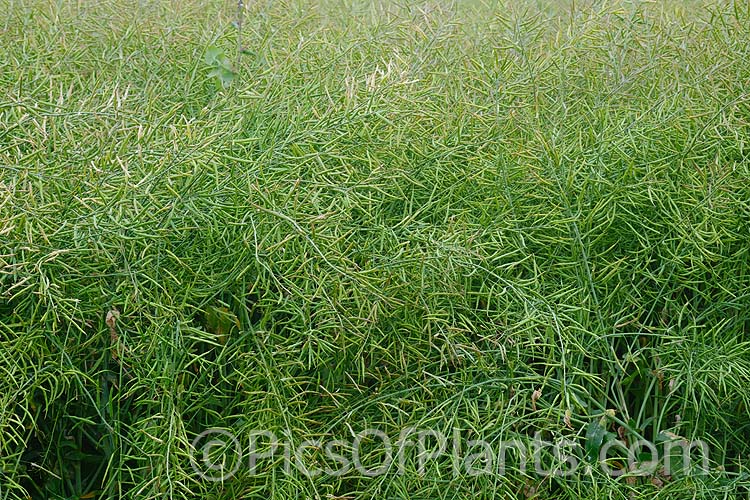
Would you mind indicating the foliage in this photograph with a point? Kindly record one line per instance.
(503, 217)
(220, 66)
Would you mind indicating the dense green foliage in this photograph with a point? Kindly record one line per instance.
(399, 215)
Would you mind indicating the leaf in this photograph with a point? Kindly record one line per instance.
(213, 55)
(226, 76)
(666, 436)
(594, 437)
(534, 397)
(221, 322)
(111, 319)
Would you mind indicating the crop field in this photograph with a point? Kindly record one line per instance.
(349, 249)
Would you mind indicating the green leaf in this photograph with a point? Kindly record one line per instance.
(213, 55)
(594, 437)
(226, 76)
